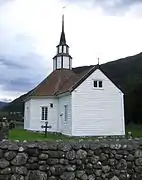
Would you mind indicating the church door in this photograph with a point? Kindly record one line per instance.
(61, 123)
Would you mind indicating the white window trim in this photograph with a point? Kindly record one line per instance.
(98, 88)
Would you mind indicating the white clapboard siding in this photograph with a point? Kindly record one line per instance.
(65, 126)
(27, 107)
(35, 114)
(97, 112)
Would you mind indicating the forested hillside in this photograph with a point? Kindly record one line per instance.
(2, 104)
(127, 74)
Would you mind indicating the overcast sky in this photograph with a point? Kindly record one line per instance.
(30, 31)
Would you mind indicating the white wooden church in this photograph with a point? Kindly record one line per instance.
(80, 101)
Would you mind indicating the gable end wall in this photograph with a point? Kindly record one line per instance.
(97, 112)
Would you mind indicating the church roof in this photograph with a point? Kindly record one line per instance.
(61, 81)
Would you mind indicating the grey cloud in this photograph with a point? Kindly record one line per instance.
(21, 67)
(8, 62)
(3, 2)
(117, 6)
(19, 84)
(109, 6)
(117, 3)
(20, 78)
(5, 99)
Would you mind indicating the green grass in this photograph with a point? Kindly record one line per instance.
(135, 129)
(20, 134)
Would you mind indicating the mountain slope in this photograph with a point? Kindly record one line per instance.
(16, 105)
(126, 73)
(3, 104)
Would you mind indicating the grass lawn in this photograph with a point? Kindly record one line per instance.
(20, 134)
(135, 129)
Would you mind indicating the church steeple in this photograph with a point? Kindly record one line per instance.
(62, 60)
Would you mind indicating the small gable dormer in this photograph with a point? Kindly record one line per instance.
(62, 60)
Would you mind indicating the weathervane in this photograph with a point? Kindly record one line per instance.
(63, 9)
(98, 61)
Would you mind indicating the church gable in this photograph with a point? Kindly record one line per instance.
(97, 80)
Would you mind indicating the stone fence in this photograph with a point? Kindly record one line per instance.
(5, 126)
(4, 129)
(90, 160)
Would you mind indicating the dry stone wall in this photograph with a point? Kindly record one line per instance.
(91, 160)
(4, 129)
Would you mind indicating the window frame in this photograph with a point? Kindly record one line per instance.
(100, 84)
(97, 84)
(44, 113)
(51, 105)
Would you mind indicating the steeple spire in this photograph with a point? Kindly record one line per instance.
(63, 23)
(62, 38)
